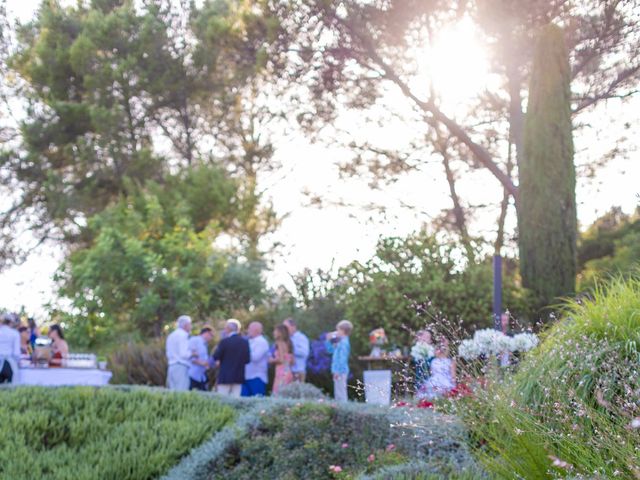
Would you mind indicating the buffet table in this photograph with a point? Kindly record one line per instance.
(63, 376)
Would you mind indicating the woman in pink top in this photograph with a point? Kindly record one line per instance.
(282, 358)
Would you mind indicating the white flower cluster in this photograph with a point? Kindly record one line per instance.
(493, 342)
(523, 342)
(422, 350)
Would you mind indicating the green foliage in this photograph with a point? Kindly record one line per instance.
(151, 259)
(139, 363)
(573, 398)
(301, 391)
(301, 442)
(88, 433)
(547, 223)
(320, 308)
(281, 439)
(417, 281)
(116, 97)
(424, 471)
(609, 247)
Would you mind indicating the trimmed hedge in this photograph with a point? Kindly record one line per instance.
(287, 439)
(87, 433)
(139, 433)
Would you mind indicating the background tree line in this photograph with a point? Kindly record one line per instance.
(146, 129)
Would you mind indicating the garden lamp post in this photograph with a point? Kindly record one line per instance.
(497, 291)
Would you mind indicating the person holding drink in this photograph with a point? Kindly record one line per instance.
(339, 347)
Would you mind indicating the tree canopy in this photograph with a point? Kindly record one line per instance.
(116, 94)
(352, 54)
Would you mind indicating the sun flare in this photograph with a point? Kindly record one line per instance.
(455, 64)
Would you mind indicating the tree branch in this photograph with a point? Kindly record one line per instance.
(429, 107)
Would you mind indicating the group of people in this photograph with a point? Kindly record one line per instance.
(242, 361)
(17, 343)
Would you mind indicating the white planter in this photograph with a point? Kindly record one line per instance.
(377, 387)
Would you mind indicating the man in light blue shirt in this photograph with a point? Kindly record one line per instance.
(198, 345)
(300, 350)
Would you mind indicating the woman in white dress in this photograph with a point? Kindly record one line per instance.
(443, 375)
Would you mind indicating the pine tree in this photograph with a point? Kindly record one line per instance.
(547, 223)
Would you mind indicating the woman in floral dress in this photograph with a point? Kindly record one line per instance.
(282, 358)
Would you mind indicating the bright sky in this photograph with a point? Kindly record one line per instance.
(334, 236)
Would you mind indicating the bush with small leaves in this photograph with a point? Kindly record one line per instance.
(86, 433)
(301, 391)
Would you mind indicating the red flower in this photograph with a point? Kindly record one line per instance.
(425, 404)
(461, 390)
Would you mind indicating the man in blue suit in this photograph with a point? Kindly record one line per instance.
(233, 354)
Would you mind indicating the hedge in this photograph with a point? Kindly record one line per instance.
(285, 438)
(87, 433)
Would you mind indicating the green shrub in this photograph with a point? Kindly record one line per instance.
(139, 364)
(568, 410)
(423, 471)
(88, 433)
(281, 439)
(297, 390)
(302, 442)
(411, 280)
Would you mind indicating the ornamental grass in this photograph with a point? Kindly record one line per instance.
(573, 407)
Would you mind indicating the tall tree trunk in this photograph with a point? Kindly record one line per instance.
(547, 214)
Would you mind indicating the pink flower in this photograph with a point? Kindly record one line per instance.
(345, 445)
(390, 448)
(335, 468)
(371, 458)
(560, 463)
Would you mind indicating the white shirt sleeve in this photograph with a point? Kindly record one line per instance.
(258, 348)
(184, 352)
(301, 348)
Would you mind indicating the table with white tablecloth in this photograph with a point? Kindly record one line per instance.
(63, 376)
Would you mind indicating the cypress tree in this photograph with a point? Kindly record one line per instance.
(547, 213)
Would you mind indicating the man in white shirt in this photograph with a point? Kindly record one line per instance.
(256, 374)
(179, 355)
(9, 351)
(300, 350)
